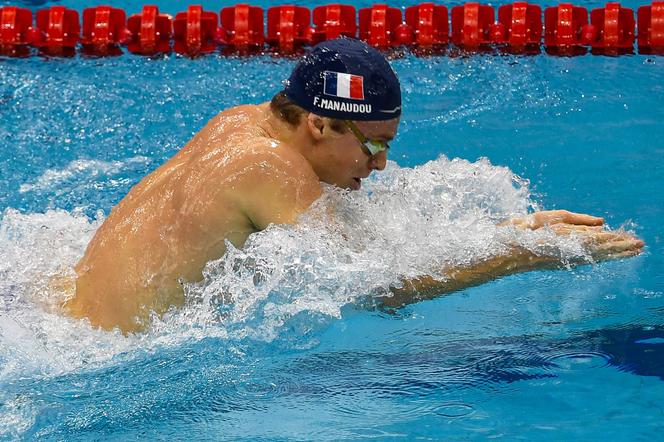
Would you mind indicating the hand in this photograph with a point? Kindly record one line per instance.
(550, 217)
(601, 244)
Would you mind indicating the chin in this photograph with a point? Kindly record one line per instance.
(351, 184)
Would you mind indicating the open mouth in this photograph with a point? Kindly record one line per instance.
(358, 183)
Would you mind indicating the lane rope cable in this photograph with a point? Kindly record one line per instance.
(519, 28)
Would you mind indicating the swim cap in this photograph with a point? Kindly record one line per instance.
(345, 79)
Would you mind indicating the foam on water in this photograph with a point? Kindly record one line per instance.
(77, 169)
(351, 246)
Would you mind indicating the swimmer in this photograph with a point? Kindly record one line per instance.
(255, 165)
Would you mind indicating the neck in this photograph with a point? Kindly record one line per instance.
(294, 137)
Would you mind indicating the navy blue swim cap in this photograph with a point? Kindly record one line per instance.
(345, 79)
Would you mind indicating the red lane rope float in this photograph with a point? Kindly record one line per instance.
(58, 31)
(104, 31)
(470, 25)
(523, 24)
(378, 25)
(614, 27)
(651, 28)
(244, 27)
(150, 32)
(563, 28)
(288, 28)
(519, 28)
(15, 31)
(195, 32)
(333, 21)
(429, 22)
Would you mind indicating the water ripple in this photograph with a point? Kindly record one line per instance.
(575, 361)
(454, 410)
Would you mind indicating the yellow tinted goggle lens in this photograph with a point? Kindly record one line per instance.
(376, 146)
(372, 146)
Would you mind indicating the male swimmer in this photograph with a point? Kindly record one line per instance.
(255, 165)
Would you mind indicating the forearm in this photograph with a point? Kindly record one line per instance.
(600, 245)
(427, 287)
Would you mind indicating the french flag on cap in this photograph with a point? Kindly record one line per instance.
(343, 85)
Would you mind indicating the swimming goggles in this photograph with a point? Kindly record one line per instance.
(370, 147)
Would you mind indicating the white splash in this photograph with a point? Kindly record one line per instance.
(349, 246)
(92, 168)
(405, 223)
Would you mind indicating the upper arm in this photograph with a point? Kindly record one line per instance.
(275, 186)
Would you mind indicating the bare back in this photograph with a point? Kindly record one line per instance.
(229, 181)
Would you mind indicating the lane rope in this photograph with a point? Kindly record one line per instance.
(516, 28)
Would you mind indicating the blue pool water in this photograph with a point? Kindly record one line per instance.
(555, 355)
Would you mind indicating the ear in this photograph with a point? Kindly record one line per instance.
(315, 124)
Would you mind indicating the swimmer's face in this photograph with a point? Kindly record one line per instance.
(345, 161)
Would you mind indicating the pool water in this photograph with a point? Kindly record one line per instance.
(303, 353)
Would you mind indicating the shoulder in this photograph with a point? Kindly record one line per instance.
(268, 163)
(229, 122)
(281, 158)
(275, 183)
(246, 110)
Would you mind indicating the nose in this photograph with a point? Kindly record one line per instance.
(378, 161)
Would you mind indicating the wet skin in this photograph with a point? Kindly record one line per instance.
(244, 170)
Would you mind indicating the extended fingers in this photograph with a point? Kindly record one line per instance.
(593, 235)
(552, 217)
(602, 244)
(566, 229)
(606, 236)
(625, 254)
(567, 217)
(617, 248)
(620, 245)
